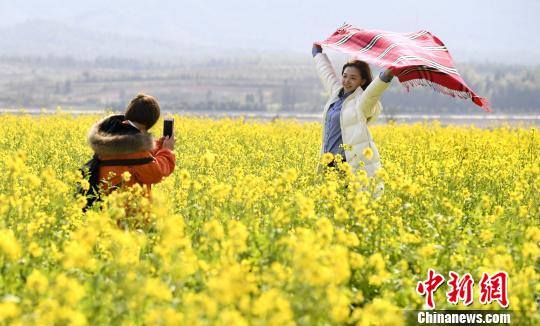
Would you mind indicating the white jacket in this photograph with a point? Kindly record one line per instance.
(359, 109)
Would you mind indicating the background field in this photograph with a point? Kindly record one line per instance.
(280, 83)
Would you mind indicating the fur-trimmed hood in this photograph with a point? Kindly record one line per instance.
(112, 137)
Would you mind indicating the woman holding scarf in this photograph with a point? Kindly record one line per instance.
(352, 105)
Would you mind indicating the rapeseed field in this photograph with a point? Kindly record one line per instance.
(246, 232)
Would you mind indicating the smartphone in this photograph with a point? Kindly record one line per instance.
(168, 126)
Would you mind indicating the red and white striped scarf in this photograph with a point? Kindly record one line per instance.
(416, 59)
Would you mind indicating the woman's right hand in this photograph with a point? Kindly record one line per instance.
(316, 49)
(388, 73)
(169, 142)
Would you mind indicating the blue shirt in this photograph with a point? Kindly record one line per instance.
(332, 127)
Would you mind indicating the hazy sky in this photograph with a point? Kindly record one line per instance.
(482, 30)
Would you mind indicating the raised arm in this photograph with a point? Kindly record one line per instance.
(370, 105)
(325, 71)
(162, 166)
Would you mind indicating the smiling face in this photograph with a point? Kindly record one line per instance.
(351, 79)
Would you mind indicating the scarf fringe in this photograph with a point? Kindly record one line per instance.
(480, 101)
(436, 87)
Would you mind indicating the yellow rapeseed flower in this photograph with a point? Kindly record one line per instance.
(9, 246)
(156, 289)
(35, 250)
(368, 153)
(356, 260)
(37, 282)
(214, 229)
(326, 158)
(68, 289)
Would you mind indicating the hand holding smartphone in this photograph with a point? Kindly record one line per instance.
(168, 127)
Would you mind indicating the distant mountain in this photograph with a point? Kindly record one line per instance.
(477, 31)
(42, 37)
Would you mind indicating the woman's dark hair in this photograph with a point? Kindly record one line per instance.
(363, 68)
(143, 109)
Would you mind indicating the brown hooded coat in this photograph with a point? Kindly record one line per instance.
(114, 139)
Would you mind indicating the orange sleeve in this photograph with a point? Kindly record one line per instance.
(162, 166)
(158, 146)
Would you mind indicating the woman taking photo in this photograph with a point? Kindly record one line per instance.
(125, 140)
(353, 104)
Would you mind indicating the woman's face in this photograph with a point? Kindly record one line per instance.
(351, 79)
